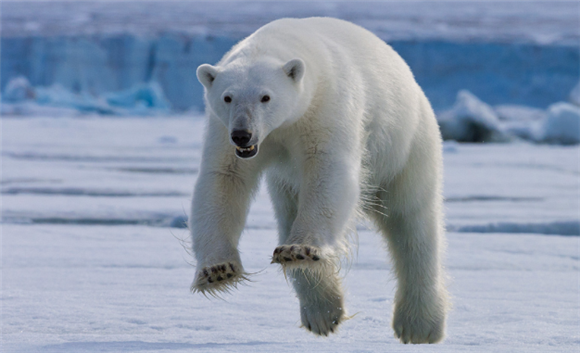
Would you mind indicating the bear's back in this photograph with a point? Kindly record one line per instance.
(321, 32)
(332, 42)
(323, 39)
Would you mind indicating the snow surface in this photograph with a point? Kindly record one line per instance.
(90, 263)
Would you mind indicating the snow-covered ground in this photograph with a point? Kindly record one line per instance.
(90, 262)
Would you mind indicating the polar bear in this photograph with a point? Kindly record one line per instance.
(335, 120)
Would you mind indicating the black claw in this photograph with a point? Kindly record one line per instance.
(223, 268)
(229, 275)
(309, 327)
(213, 270)
(331, 330)
(232, 267)
(210, 280)
(220, 278)
(300, 257)
(292, 248)
(205, 273)
(307, 250)
(277, 251)
(287, 259)
(315, 257)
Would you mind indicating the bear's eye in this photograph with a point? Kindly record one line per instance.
(265, 98)
(227, 99)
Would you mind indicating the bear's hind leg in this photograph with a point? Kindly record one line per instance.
(321, 300)
(414, 232)
(421, 298)
(319, 292)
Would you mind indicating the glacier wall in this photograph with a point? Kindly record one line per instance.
(101, 64)
(498, 73)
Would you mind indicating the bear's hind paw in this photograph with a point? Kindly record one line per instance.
(218, 278)
(422, 324)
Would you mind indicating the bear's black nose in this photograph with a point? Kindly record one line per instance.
(241, 137)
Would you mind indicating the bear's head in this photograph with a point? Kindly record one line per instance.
(253, 99)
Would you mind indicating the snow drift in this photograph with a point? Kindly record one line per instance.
(471, 120)
(562, 125)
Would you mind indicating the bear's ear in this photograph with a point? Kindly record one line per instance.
(294, 69)
(206, 74)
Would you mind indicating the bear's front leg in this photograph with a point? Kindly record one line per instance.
(220, 204)
(313, 226)
(218, 278)
(326, 205)
(218, 215)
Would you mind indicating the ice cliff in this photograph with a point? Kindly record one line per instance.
(498, 73)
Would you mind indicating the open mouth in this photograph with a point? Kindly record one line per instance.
(247, 152)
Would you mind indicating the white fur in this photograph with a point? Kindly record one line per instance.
(347, 131)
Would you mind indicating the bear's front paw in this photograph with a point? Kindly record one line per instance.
(218, 278)
(296, 255)
(419, 324)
